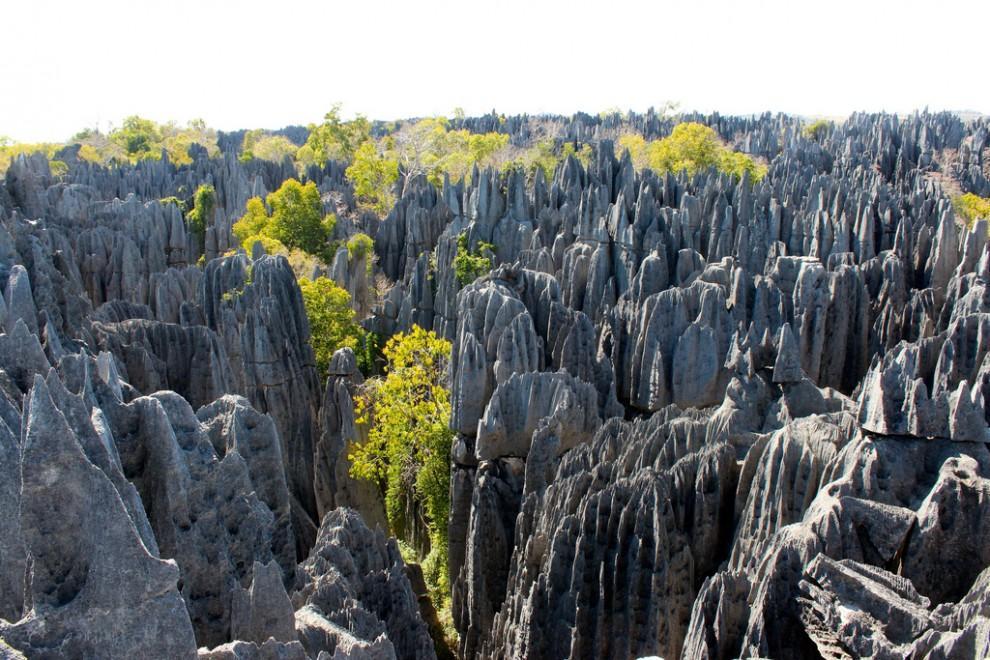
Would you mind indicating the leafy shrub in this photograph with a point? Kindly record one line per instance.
(334, 139)
(373, 175)
(204, 203)
(972, 207)
(58, 168)
(468, 265)
(296, 221)
(408, 447)
(817, 130)
(164, 201)
(360, 246)
(332, 325)
(691, 147)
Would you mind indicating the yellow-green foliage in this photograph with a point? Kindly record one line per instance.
(817, 130)
(253, 227)
(10, 150)
(430, 147)
(142, 139)
(136, 139)
(972, 207)
(332, 325)
(139, 138)
(274, 148)
(204, 203)
(295, 223)
(176, 140)
(468, 265)
(408, 447)
(373, 174)
(89, 153)
(635, 144)
(545, 155)
(690, 147)
(334, 139)
(360, 246)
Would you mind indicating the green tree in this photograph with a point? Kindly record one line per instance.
(468, 265)
(429, 147)
(176, 140)
(335, 139)
(817, 130)
(296, 221)
(972, 207)
(332, 325)
(274, 148)
(142, 139)
(360, 246)
(297, 218)
(691, 147)
(373, 176)
(407, 453)
(204, 203)
(139, 138)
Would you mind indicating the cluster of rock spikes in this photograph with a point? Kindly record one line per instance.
(695, 416)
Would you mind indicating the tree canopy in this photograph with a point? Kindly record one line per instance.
(470, 265)
(373, 175)
(691, 147)
(258, 144)
(408, 447)
(334, 139)
(972, 207)
(332, 324)
(296, 221)
(197, 219)
(430, 147)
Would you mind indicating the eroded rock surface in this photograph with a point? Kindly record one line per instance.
(695, 416)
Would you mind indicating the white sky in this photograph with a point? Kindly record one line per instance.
(65, 65)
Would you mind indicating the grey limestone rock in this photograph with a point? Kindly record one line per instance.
(189, 360)
(19, 300)
(353, 586)
(13, 558)
(334, 485)
(264, 610)
(524, 401)
(802, 362)
(204, 510)
(95, 590)
(256, 309)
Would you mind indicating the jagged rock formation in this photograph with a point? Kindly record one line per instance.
(834, 299)
(352, 594)
(256, 309)
(133, 524)
(695, 416)
(333, 483)
(94, 588)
